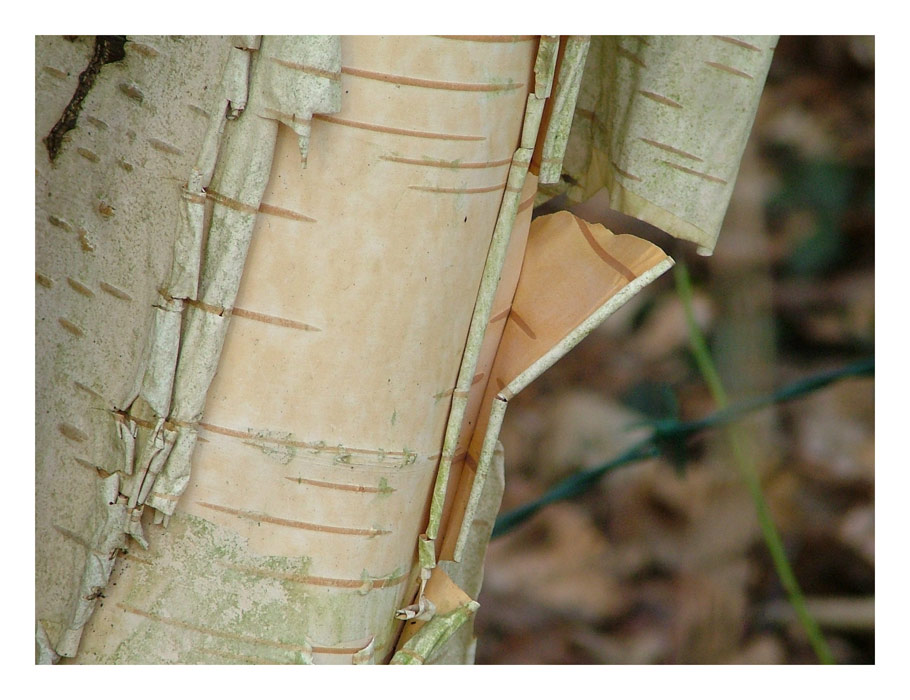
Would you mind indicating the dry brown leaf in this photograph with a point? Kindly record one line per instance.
(835, 432)
(567, 570)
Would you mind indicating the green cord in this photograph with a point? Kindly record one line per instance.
(734, 434)
(671, 433)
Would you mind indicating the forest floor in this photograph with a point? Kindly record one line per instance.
(656, 566)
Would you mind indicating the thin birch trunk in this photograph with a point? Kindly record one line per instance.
(295, 539)
(275, 344)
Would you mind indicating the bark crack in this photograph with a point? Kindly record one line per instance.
(108, 49)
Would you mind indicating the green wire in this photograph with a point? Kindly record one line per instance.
(750, 476)
(672, 432)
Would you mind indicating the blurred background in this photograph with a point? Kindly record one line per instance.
(657, 566)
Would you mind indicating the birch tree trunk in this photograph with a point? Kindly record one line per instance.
(277, 328)
(354, 306)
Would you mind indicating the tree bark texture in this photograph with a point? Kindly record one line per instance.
(286, 288)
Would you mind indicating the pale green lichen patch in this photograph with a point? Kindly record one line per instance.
(200, 596)
(344, 620)
(206, 594)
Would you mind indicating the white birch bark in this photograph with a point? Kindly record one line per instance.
(274, 278)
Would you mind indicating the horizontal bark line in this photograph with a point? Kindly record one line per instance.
(143, 49)
(500, 316)
(274, 320)
(165, 147)
(625, 173)
(298, 524)
(429, 83)
(449, 392)
(525, 204)
(454, 164)
(302, 68)
(70, 535)
(125, 418)
(88, 390)
(261, 208)
(515, 318)
(313, 446)
(88, 155)
(80, 288)
(396, 130)
(501, 39)
(94, 121)
(690, 171)
(94, 468)
(625, 53)
(251, 315)
(55, 72)
(737, 42)
(358, 488)
(602, 252)
(115, 291)
(231, 203)
(72, 432)
(729, 69)
(71, 327)
(670, 149)
(272, 210)
(44, 280)
(458, 190)
(272, 113)
(661, 99)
